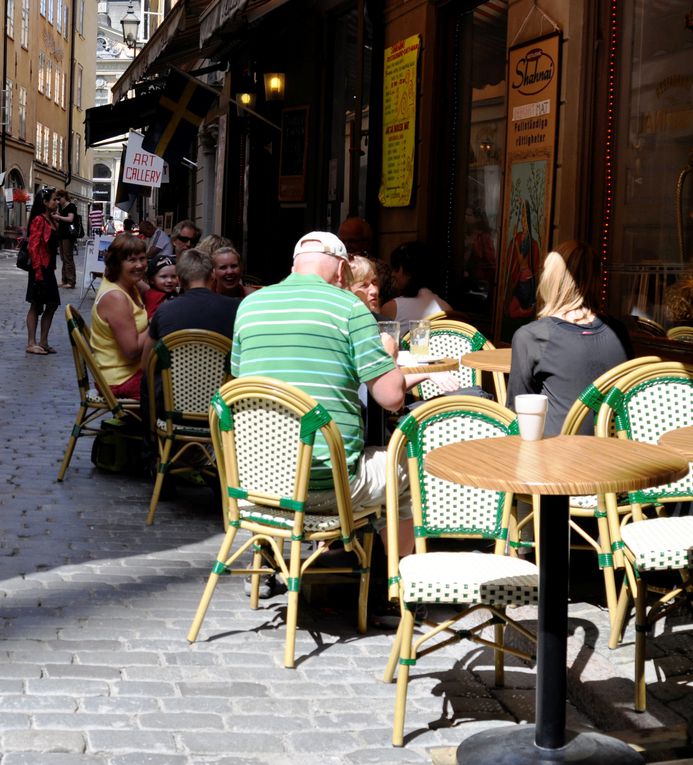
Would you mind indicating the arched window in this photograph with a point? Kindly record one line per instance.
(101, 171)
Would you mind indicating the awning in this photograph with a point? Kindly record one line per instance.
(176, 41)
(104, 122)
(223, 17)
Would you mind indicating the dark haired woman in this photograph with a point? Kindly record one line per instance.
(410, 265)
(42, 289)
(119, 318)
(64, 217)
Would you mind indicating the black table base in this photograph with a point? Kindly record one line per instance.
(515, 745)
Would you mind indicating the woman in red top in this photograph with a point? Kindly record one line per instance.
(42, 289)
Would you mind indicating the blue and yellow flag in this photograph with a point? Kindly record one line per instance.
(182, 107)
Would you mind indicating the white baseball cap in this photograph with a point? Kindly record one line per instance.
(323, 243)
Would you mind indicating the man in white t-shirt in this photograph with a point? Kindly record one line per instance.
(159, 241)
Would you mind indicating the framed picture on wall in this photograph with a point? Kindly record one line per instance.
(292, 159)
(532, 122)
(168, 222)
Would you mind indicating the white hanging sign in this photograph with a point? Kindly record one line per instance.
(141, 168)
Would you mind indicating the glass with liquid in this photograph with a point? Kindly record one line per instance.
(420, 338)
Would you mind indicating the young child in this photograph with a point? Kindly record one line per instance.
(163, 282)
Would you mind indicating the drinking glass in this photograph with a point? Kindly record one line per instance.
(420, 337)
(531, 415)
(390, 328)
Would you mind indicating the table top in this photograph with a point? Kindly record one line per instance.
(572, 465)
(493, 360)
(442, 365)
(680, 441)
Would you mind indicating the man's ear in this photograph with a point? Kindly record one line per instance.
(344, 276)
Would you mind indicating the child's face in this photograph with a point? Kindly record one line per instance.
(165, 279)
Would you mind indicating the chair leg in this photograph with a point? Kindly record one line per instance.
(255, 578)
(161, 470)
(498, 658)
(211, 585)
(293, 586)
(72, 442)
(608, 566)
(620, 615)
(405, 660)
(365, 580)
(394, 655)
(641, 627)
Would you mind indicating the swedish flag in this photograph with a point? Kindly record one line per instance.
(182, 106)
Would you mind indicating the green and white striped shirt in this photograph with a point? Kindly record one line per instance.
(323, 340)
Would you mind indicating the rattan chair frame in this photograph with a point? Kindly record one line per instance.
(614, 413)
(94, 403)
(680, 334)
(407, 648)
(266, 539)
(588, 404)
(180, 431)
(467, 376)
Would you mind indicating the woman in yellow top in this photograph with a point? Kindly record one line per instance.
(119, 318)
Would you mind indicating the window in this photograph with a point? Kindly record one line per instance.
(25, 24)
(57, 89)
(77, 159)
(9, 24)
(59, 16)
(49, 77)
(46, 143)
(42, 7)
(41, 71)
(22, 113)
(39, 140)
(51, 9)
(78, 86)
(54, 150)
(80, 18)
(66, 17)
(61, 152)
(63, 88)
(8, 105)
(102, 95)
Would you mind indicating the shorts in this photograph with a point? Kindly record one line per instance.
(130, 388)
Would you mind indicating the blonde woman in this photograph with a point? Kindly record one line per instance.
(569, 345)
(365, 282)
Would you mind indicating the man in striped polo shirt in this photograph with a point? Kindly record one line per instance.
(312, 333)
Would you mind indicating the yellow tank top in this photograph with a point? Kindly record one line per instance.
(116, 368)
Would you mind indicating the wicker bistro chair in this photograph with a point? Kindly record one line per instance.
(453, 339)
(642, 406)
(681, 334)
(486, 581)
(94, 402)
(592, 506)
(263, 432)
(191, 365)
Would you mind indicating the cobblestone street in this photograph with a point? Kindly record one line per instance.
(95, 607)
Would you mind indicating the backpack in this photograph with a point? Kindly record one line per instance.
(76, 227)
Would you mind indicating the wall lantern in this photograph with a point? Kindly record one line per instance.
(130, 24)
(274, 86)
(245, 100)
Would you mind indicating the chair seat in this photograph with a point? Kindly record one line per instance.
(94, 397)
(468, 577)
(286, 518)
(185, 430)
(660, 543)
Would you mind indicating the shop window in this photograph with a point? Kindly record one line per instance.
(651, 250)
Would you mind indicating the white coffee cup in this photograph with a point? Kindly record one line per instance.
(531, 415)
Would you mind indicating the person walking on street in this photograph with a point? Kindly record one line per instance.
(42, 289)
(65, 216)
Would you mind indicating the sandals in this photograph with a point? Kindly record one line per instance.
(37, 350)
(49, 349)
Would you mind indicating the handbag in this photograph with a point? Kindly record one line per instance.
(23, 257)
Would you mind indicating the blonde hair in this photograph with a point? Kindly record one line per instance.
(361, 268)
(569, 280)
(213, 242)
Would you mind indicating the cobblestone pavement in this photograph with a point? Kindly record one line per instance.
(95, 607)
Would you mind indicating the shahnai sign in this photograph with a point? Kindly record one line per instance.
(141, 168)
(532, 119)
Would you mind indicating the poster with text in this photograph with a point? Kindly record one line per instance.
(532, 109)
(399, 122)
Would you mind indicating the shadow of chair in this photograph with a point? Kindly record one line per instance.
(454, 339)
(189, 366)
(264, 432)
(642, 406)
(470, 581)
(94, 402)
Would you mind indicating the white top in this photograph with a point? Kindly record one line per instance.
(424, 304)
(162, 240)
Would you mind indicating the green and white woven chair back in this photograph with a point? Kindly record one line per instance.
(449, 508)
(267, 436)
(451, 344)
(648, 410)
(197, 371)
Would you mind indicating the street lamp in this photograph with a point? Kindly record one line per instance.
(130, 24)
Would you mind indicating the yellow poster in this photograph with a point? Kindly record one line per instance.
(399, 122)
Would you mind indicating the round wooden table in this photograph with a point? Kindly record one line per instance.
(493, 360)
(440, 365)
(679, 441)
(556, 468)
